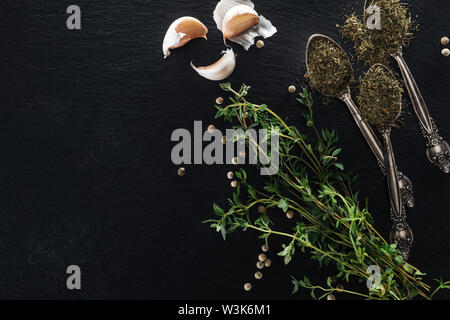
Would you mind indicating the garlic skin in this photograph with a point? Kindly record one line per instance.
(181, 31)
(226, 10)
(219, 70)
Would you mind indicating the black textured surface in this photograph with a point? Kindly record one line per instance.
(85, 172)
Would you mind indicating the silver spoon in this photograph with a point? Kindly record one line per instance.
(438, 150)
(404, 182)
(401, 232)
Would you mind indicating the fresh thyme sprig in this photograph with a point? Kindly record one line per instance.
(331, 226)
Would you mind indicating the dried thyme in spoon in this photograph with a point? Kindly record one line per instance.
(377, 45)
(380, 97)
(329, 68)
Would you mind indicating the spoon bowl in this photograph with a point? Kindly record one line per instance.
(346, 83)
(378, 112)
(379, 65)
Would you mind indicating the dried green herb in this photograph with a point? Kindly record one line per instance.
(330, 225)
(380, 97)
(376, 46)
(329, 68)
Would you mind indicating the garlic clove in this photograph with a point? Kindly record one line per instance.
(219, 70)
(224, 6)
(225, 12)
(238, 20)
(181, 31)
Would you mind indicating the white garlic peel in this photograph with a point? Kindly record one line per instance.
(219, 70)
(181, 31)
(226, 10)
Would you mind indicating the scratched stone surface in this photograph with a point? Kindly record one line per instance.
(86, 176)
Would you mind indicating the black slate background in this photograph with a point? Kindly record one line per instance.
(85, 170)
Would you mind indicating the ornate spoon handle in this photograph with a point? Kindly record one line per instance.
(405, 184)
(438, 150)
(401, 232)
